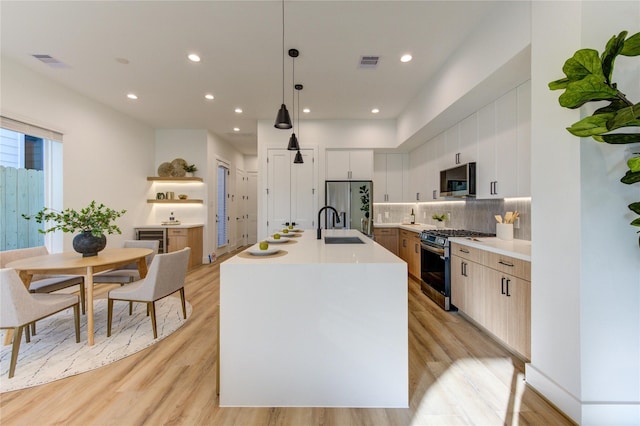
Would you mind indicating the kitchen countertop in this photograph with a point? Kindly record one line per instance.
(182, 225)
(519, 249)
(307, 249)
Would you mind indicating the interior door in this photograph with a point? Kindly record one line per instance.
(252, 207)
(303, 193)
(278, 189)
(241, 209)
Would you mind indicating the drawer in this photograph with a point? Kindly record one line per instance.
(177, 232)
(509, 265)
(386, 231)
(470, 253)
(408, 234)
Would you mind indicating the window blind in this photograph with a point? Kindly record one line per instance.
(29, 129)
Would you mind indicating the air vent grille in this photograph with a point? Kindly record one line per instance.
(50, 60)
(369, 61)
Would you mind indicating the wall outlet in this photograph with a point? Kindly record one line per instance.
(448, 218)
(516, 224)
(386, 215)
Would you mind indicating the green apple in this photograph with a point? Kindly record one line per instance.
(276, 236)
(264, 245)
(285, 231)
(290, 226)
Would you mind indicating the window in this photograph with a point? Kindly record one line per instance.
(31, 169)
(222, 214)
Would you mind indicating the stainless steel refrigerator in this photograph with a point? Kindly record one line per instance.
(353, 201)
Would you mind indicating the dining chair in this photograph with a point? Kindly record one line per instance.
(19, 308)
(128, 273)
(166, 276)
(44, 283)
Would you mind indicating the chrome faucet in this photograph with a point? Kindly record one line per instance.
(320, 212)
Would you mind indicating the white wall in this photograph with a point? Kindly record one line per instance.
(585, 269)
(107, 155)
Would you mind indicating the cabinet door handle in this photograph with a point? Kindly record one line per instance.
(508, 281)
(495, 187)
(462, 269)
(502, 286)
(458, 158)
(416, 249)
(417, 196)
(502, 262)
(404, 243)
(464, 250)
(434, 194)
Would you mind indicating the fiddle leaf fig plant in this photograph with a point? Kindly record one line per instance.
(589, 78)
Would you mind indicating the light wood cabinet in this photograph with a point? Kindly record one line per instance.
(495, 292)
(409, 251)
(387, 238)
(179, 238)
(390, 178)
(349, 164)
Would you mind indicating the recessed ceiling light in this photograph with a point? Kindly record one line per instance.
(306, 110)
(123, 61)
(406, 58)
(238, 110)
(209, 96)
(132, 96)
(193, 57)
(375, 110)
(236, 129)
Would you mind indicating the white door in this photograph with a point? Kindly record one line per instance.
(241, 208)
(252, 207)
(304, 205)
(278, 189)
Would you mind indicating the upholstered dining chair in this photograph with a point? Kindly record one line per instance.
(19, 308)
(128, 273)
(44, 283)
(166, 276)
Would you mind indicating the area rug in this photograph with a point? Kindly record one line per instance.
(53, 353)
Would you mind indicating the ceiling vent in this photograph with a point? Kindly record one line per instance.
(369, 61)
(50, 60)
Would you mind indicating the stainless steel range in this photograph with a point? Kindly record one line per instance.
(435, 263)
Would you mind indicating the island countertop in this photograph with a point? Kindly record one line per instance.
(324, 325)
(306, 248)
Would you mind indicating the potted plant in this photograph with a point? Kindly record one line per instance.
(190, 169)
(439, 218)
(92, 222)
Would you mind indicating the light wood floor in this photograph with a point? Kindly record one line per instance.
(457, 375)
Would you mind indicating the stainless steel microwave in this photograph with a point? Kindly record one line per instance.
(459, 181)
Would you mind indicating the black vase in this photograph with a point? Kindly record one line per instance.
(89, 245)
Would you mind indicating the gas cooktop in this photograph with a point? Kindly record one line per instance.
(440, 236)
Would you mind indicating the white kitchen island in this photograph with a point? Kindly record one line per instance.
(325, 325)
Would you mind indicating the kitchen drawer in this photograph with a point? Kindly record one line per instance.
(509, 265)
(469, 253)
(386, 231)
(178, 232)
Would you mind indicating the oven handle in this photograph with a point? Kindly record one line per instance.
(433, 250)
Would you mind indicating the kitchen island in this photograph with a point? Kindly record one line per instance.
(316, 325)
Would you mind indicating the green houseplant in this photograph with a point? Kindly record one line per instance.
(589, 79)
(92, 222)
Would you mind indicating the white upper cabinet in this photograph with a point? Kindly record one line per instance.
(460, 143)
(349, 165)
(504, 146)
(417, 173)
(390, 178)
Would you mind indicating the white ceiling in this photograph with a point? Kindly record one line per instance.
(240, 43)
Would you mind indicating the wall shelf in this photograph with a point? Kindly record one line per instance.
(175, 201)
(174, 179)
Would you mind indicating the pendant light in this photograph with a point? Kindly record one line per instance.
(298, 159)
(293, 140)
(283, 121)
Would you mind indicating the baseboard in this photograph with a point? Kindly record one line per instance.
(554, 393)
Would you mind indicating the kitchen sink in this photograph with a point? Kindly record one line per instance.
(343, 240)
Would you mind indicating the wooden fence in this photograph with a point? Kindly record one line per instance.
(21, 191)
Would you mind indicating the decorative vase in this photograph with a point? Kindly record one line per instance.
(89, 245)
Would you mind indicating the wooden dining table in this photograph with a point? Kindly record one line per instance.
(73, 263)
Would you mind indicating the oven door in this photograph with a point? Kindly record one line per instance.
(433, 267)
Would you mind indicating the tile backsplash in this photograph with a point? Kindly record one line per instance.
(476, 215)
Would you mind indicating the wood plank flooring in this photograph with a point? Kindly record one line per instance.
(457, 376)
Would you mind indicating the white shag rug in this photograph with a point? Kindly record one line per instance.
(53, 353)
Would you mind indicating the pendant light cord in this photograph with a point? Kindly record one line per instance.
(293, 98)
(283, 52)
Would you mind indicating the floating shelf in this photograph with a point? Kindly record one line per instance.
(174, 179)
(175, 201)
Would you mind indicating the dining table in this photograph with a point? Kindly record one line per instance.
(75, 264)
